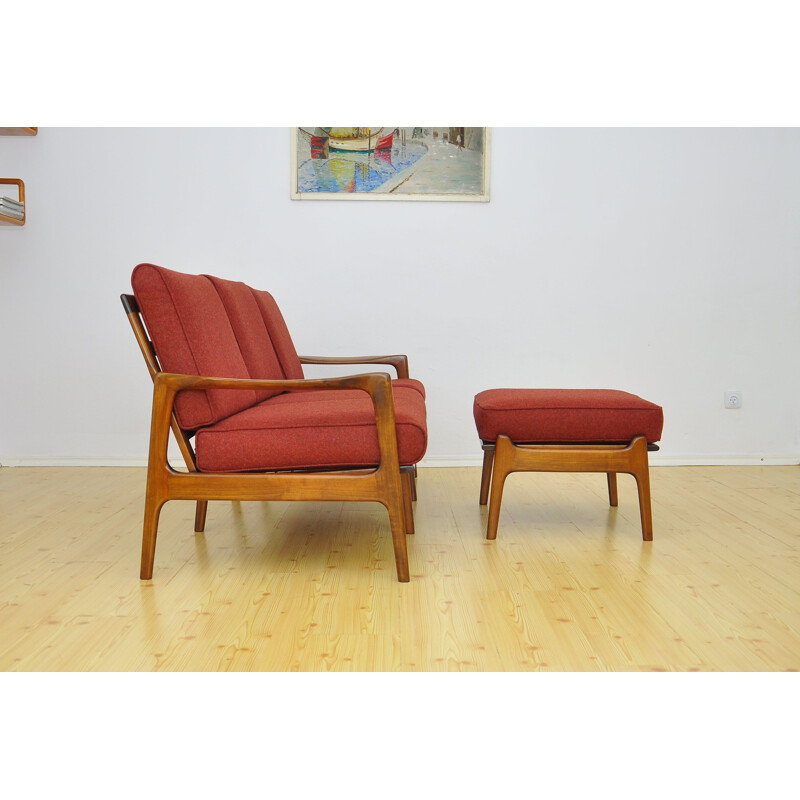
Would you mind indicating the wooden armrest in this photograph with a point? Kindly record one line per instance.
(399, 362)
(368, 382)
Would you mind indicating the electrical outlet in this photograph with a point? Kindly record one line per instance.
(733, 399)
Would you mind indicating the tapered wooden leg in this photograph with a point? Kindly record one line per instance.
(503, 467)
(641, 471)
(399, 541)
(391, 491)
(414, 484)
(486, 475)
(152, 510)
(200, 516)
(612, 488)
(408, 509)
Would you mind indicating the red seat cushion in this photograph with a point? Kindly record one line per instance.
(566, 415)
(308, 430)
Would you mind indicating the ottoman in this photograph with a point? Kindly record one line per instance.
(566, 430)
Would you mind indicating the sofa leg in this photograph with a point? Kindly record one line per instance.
(200, 516)
(399, 541)
(612, 488)
(152, 511)
(486, 475)
(407, 478)
(392, 486)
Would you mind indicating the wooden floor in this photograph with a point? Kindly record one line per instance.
(567, 586)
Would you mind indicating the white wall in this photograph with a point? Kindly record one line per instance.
(665, 262)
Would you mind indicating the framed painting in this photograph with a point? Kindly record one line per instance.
(385, 163)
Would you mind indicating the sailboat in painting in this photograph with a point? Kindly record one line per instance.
(350, 140)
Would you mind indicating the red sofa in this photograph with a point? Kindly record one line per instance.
(230, 385)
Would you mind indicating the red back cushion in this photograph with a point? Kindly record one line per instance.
(279, 334)
(192, 334)
(251, 332)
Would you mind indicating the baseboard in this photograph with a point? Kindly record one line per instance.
(656, 460)
(77, 462)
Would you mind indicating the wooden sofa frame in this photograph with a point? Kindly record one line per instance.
(387, 483)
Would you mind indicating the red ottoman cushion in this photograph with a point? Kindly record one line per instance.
(556, 416)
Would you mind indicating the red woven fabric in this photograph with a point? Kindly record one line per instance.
(566, 415)
(407, 383)
(192, 335)
(251, 332)
(307, 430)
(279, 335)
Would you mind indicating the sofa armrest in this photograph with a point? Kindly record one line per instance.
(399, 362)
(366, 381)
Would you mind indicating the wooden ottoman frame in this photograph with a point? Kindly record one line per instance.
(503, 457)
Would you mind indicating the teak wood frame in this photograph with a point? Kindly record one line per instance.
(387, 483)
(503, 457)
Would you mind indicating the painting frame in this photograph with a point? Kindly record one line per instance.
(454, 167)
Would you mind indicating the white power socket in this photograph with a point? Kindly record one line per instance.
(733, 399)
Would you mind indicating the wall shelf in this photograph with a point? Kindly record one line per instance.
(4, 220)
(18, 131)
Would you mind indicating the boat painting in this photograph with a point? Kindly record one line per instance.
(350, 140)
(386, 163)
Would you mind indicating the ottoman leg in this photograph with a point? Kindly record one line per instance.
(503, 466)
(641, 471)
(486, 475)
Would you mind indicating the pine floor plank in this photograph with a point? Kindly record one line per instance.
(568, 585)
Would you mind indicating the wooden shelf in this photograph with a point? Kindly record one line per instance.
(4, 220)
(18, 131)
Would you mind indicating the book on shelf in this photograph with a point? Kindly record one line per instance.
(10, 202)
(15, 205)
(16, 213)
